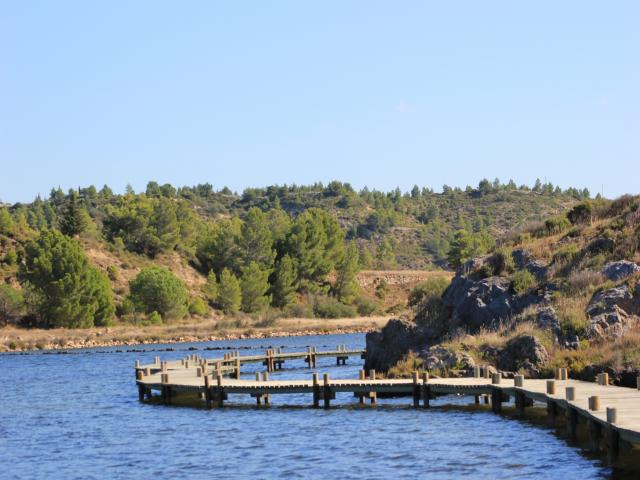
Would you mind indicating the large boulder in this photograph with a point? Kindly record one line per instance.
(538, 270)
(483, 304)
(445, 359)
(521, 257)
(524, 352)
(387, 346)
(621, 270)
(608, 318)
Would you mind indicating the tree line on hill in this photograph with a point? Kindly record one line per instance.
(269, 249)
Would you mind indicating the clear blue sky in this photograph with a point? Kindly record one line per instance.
(382, 94)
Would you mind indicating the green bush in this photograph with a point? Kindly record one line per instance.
(502, 261)
(366, 306)
(431, 288)
(113, 272)
(157, 289)
(11, 257)
(198, 307)
(556, 225)
(154, 318)
(11, 304)
(329, 307)
(566, 254)
(522, 281)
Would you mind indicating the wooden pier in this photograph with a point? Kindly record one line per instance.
(611, 413)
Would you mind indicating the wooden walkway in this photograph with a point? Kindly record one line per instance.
(611, 413)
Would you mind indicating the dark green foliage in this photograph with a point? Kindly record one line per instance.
(330, 307)
(11, 304)
(74, 217)
(254, 285)
(229, 292)
(257, 240)
(466, 246)
(428, 289)
(284, 283)
(522, 281)
(6, 222)
(556, 225)
(63, 289)
(346, 286)
(316, 242)
(366, 306)
(198, 307)
(210, 289)
(156, 289)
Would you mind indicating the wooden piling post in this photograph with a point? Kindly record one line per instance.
(426, 390)
(141, 391)
(236, 372)
(520, 403)
(594, 403)
(207, 391)
(199, 372)
(416, 390)
(137, 364)
(495, 378)
(165, 389)
(476, 371)
(220, 391)
(552, 411)
(496, 399)
(267, 397)
(360, 395)
(570, 393)
(518, 380)
(326, 391)
(551, 387)
(613, 444)
(316, 391)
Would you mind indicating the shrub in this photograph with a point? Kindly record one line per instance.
(11, 257)
(382, 288)
(198, 307)
(329, 307)
(522, 281)
(113, 272)
(154, 318)
(431, 288)
(366, 306)
(229, 293)
(556, 225)
(502, 261)
(125, 308)
(11, 304)
(582, 281)
(566, 254)
(156, 289)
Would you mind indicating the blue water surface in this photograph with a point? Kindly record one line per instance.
(78, 416)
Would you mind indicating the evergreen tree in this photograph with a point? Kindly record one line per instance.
(74, 218)
(385, 256)
(257, 240)
(63, 289)
(210, 289)
(254, 285)
(229, 293)
(6, 222)
(316, 243)
(346, 287)
(284, 283)
(156, 289)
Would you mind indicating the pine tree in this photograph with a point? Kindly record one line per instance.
(257, 240)
(210, 289)
(254, 285)
(63, 288)
(284, 284)
(346, 287)
(229, 293)
(6, 222)
(385, 256)
(74, 218)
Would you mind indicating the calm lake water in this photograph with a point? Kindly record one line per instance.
(78, 416)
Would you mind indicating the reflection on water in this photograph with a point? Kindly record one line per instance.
(77, 416)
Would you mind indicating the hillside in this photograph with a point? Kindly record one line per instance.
(563, 293)
(295, 250)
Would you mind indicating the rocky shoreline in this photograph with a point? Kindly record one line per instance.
(132, 342)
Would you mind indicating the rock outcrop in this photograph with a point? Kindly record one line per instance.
(445, 359)
(547, 319)
(607, 315)
(483, 304)
(523, 353)
(621, 270)
(387, 346)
